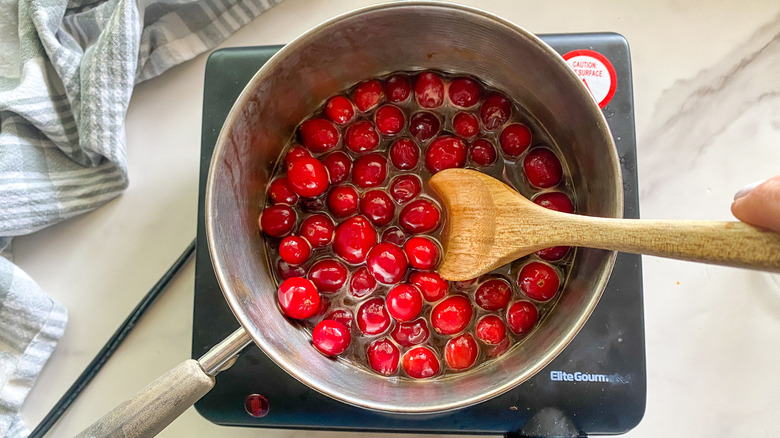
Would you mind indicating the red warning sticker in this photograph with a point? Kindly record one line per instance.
(596, 72)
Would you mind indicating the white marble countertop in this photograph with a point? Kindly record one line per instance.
(706, 100)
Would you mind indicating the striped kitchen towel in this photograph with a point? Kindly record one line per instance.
(67, 71)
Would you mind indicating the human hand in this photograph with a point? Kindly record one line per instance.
(759, 204)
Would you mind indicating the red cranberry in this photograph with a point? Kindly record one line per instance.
(482, 152)
(368, 94)
(461, 352)
(311, 205)
(420, 362)
(432, 286)
(342, 316)
(521, 317)
(343, 201)
(324, 307)
(377, 206)
(298, 298)
(422, 252)
(287, 270)
(404, 302)
(491, 330)
(465, 125)
(387, 263)
(452, 315)
(394, 235)
(424, 126)
(296, 152)
(411, 332)
(404, 188)
(308, 177)
(559, 202)
(515, 139)
(539, 281)
(294, 250)
(404, 154)
(398, 89)
(419, 216)
(338, 164)
(277, 220)
(429, 90)
(328, 275)
(280, 192)
(542, 168)
(389, 120)
(493, 294)
(361, 137)
(362, 283)
(370, 170)
(553, 254)
(465, 284)
(372, 317)
(319, 135)
(318, 230)
(501, 348)
(464, 92)
(495, 111)
(353, 239)
(444, 153)
(383, 357)
(331, 337)
(339, 109)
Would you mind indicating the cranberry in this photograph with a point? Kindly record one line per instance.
(331, 337)
(404, 188)
(361, 137)
(387, 263)
(461, 352)
(394, 235)
(353, 239)
(444, 153)
(294, 250)
(287, 270)
(410, 333)
(362, 283)
(465, 284)
(482, 152)
(308, 177)
(343, 201)
(383, 357)
(452, 315)
(501, 348)
(493, 294)
(377, 206)
(318, 230)
(298, 298)
(539, 281)
(339, 109)
(342, 316)
(464, 92)
(420, 362)
(559, 202)
(319, 135)
(542, 168)
(553, 254)
(280, 192)
(338, 164)
(419, 216)
(368, 94)
(432, 286)
(277, 220)
(389, 120)
(521, 317)
(296, 152)
(404, 154)
(465, 125)
(404, 302)
(311, 205)
(429, 90)
(424, 126)
(515, 139)
(328, 275)
(370, 170)
(372, 317)
(422, 252)
(495, 111)
(491, 330)
(398, 89)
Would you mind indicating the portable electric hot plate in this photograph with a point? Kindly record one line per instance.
(597, 385)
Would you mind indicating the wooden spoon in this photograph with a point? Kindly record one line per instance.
(490, 224)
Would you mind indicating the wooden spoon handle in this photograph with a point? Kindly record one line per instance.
(723, 243)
